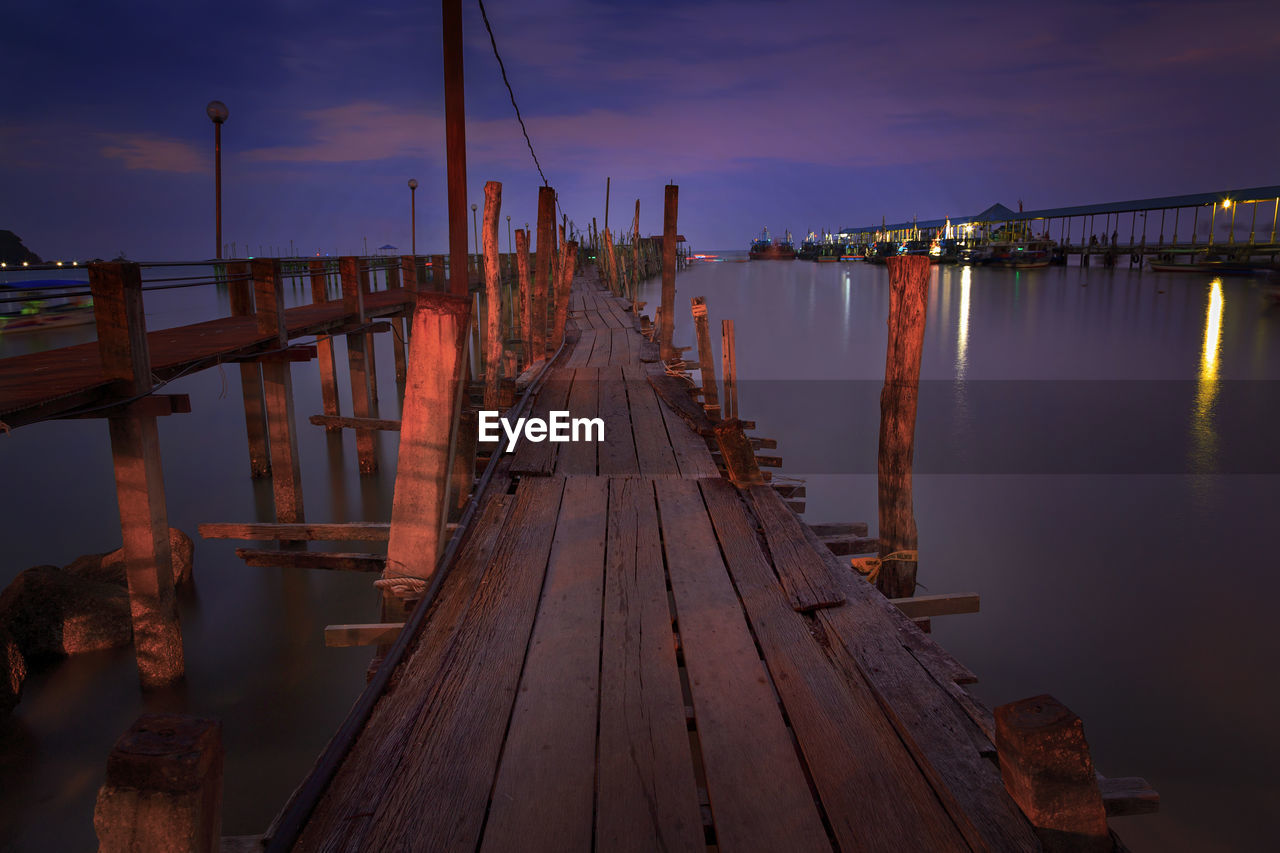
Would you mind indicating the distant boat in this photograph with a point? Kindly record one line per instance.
(43, 304)
(764, 249)
(880, 251)
(1213, 267)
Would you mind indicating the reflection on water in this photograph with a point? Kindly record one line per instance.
(1098, 576)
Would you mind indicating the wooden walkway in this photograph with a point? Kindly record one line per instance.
(48, 384)
(629, 653)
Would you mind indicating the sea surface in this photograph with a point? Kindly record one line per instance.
(1095, 456)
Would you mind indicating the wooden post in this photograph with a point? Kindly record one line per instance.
(493, 295)
(607, 181)
(163, 788)
(397, 327)
(542, 270)
(706, 362)
(562, 293)
(437, 352)
(729, 364)
(370, 351)
(324, 344)
(611, 262)
(737, 453)
(455, 145)
(525, 334)
(666, 350)
(438, 282)
(908, 293)
(135, 450)
(635, 256)
(277, 386)
(255, 413)
(361, 403)
(1046, 768)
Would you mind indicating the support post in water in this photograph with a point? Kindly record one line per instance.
(163, 787)
(706, 362)
(635, 257)
(397, 328)
(437, 356)
(524, 312)
(542, 270)
(455, 132)
(361, 402)
(666, 330)
(729, 365)
(277, 386)
(908, 292)
(135, 450)
(493, 295)
(562, 293)
(324, 344)
(1047, 770)
(255, 412)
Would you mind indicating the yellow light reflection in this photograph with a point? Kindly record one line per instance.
(1203, 433)
(962, 334)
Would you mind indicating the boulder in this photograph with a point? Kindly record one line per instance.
(50, 613)
(13, 671)
(109, 567)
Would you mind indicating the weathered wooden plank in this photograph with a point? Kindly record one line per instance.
(603, 347)
(579, 457)
(654, 454)
(544, 794)
(1128, 795)
(647, 797)
(338, 422)
(746, 748)
(850, 747)
(437, 801)
(675, 393)
(621, 353)
(338, 561)
(341, 819)
(617, 453)
(690, 451)
(804, 574)
(581, 353)
(345, 636)
(539, 458)
(348, 531)
(937, 605)
(843, 546)
(855, 528)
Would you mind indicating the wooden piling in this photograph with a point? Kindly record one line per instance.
(635, 256)
(562, 294)
(397, 329)
(277, 386)
(255, 412)
(493, 295)
(665, 332)
(455, 144)
(908, 292)
(729, 366)
(542, 271)
(611, 262)
(1046, 768)
(706, 362)
(556, 335)
(163, 787)
(324, 344)
(361, 402)
(135, 450)
(370, 349)
(439, 284)
(431, 403)
(525, 322)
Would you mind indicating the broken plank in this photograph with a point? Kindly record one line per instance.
(349, 531)
(339, 422)
(937, 605)
(313, 560)
(345, 636)
(805, 576)
(746, 749)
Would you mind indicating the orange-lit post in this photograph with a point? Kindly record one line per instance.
(455, 145)
(666, 330)
(492, 295)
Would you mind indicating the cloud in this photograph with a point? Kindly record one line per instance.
(155, 153)
(358, 131)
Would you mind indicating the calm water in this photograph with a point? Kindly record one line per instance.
(1100, 475)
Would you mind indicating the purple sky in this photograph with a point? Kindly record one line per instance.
(803, 115)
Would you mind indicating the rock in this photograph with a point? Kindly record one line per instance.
(50, 612)
(109, 567)
(13, 671)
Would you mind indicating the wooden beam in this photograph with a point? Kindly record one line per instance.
(937, 605)
(844, 545)
(729, 367)
(357, 363)
(333, 422)
(375, 634)
(1123, 796)
(345, 562)
(350, 531)
(667, 328)
(153, 405)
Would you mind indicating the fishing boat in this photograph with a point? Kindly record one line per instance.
(1022, 255)
(880, 251)
(764, 249)
(1212, 267)
(944, 251)
(44, 304)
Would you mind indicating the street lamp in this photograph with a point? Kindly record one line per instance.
(475, 232)
(413, 217)
(217, 112)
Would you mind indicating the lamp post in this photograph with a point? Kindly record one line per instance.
(413, 217)
(217, 112)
